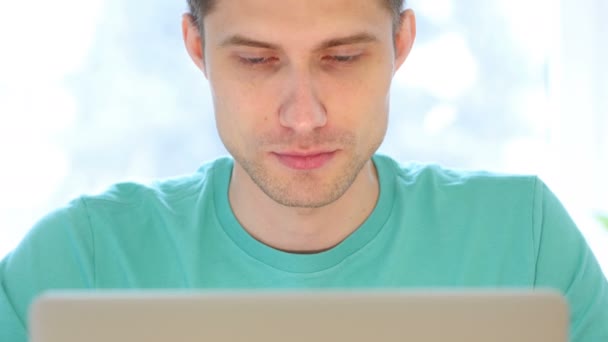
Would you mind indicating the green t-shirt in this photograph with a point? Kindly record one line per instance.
(431, 227)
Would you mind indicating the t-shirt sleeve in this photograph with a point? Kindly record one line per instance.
(57, 253)
(565, 262)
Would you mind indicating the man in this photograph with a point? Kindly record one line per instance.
(301, 100)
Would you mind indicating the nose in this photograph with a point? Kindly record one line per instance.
(302, 110)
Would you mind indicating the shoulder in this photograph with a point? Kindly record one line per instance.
(123, 206)
(435, 178)
(491, 204)
(168, 190)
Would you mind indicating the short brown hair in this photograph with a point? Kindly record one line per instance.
(200, 8)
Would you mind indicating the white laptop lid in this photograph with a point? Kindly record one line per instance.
(300, 316)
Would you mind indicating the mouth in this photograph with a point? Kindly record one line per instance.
(305, 161)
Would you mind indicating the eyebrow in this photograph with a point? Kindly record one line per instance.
(239, 40)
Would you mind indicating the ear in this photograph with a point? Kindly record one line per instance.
(193, 41)
(404, 37)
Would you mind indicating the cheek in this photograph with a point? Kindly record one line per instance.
(242, 111)
(361, 104)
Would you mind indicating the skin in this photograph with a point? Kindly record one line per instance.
(301, 97)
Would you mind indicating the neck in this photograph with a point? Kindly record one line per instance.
(303, 230)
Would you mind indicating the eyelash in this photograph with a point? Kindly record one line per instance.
(257, 61)
(344, 59)
(341, 59)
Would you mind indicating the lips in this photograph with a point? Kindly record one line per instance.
(305, 161)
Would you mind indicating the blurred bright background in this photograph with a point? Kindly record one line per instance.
(102, 91)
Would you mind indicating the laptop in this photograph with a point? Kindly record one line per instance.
(354, 316)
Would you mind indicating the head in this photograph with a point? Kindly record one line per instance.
(200, 8)
(300, 88)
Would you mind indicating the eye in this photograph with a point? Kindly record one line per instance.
(343, 59)
(258, 60)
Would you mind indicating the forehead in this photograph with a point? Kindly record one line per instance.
(296, 20)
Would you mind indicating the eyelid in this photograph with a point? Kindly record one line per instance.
(256, 58)
(342, 58)
(348, 50)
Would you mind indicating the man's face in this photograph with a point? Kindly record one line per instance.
(301, 91)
